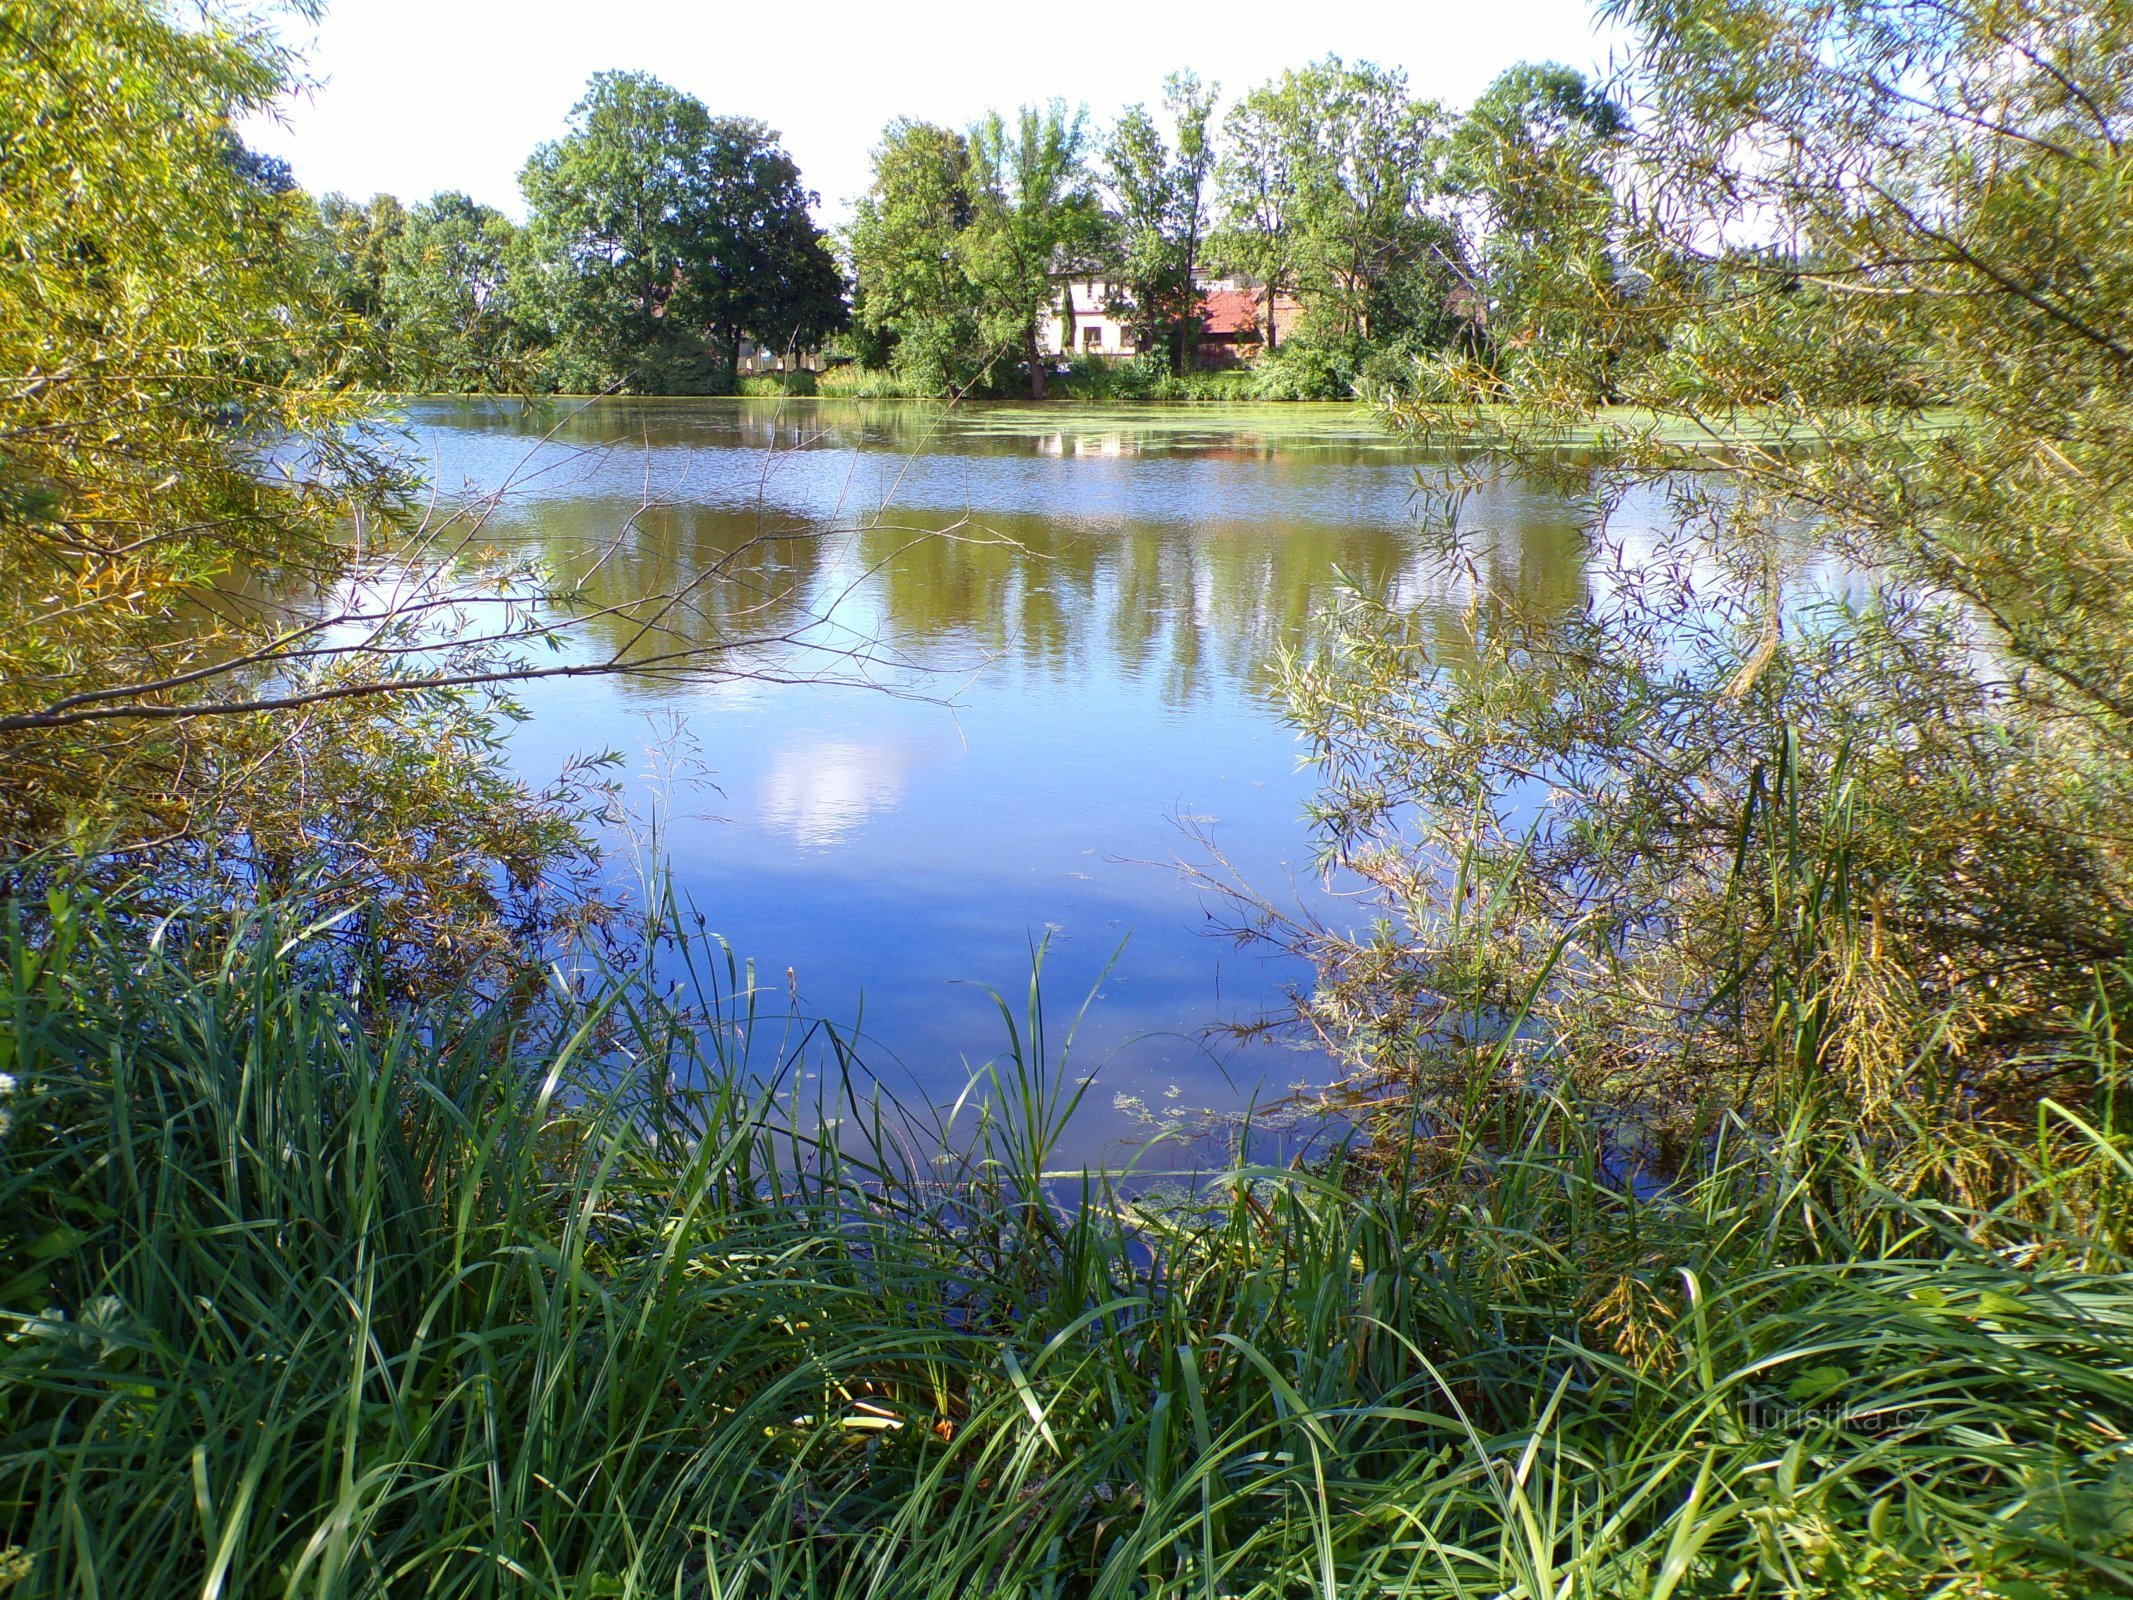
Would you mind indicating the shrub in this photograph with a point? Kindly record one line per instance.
(774, 385)
(1303, 369)
(1814, 783)
(855, 382)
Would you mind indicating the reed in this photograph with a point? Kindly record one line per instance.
(593, 1294)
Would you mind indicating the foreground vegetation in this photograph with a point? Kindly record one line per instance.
(353, 1303)
(1741, 1197)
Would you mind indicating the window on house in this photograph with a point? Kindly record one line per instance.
(1092, 338)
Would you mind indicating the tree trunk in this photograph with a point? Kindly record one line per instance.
(1036, 363)
(1270, 315)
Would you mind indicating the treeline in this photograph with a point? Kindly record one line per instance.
(663, 242)
(1387, 225)
(659, 240)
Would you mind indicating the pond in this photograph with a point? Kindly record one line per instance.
(992, 679)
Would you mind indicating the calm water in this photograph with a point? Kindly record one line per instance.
(994, 675)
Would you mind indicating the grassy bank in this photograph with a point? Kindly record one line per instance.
(304, 1298)
(1084, 378)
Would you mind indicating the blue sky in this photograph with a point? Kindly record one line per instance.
(414, 96)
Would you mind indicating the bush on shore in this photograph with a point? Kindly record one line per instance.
(854, 382)
(777, 385)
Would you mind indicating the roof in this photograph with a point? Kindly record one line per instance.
(1229, 311)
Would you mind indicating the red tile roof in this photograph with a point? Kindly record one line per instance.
(1229, 311)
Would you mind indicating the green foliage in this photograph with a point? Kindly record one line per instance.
(1261, 234)
(1034, 214)
(1160, 197)
(305, 1294)
(147, 305)
(1819, 788)
(1537, 152)
(659, 232)
(956, 245)
(912, 293)
(663, 237)
(1331, 185)
(1305, 369)
(854, 382)
(1146, 378)
(447, 293)
(352, 247)
(1332, 189)
(769, 385)
(180, 450)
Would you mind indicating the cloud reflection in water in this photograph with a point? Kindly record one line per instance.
(822, 793)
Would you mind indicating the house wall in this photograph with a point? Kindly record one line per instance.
(1112, 337)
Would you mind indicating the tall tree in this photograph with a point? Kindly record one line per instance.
(1034, 218)
(1159, 193)
(1267, 139)
(655, 224)
(912, 293)
(1372, 181)
(1533, 155)
(353, 244)
(772, 274)
(1331, 189)
(447, 291)
(619, 215)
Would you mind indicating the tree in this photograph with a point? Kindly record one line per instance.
(1034, 216)
(353, 245)
(1368, 179)
(1732, 836)
(1328, 191)
(1534, 153)
(656, 224)
(912, 291)
(772, 274)
(235, 648)
(447, 293)
(165, 334)
(1159, 193)
(1532, 147)
(1266, 136)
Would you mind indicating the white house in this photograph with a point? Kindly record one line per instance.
(1086, 319)
(1083, 323)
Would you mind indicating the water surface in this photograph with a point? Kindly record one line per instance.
(989, 677)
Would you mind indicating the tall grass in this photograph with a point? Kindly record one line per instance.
(854, 382)
(583, 1295)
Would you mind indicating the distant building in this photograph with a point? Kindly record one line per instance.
(1086, 320)
(1090, 316)
(759, 357)
(1233, 316)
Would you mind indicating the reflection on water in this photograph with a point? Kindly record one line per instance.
(821, 791)
(981, 663)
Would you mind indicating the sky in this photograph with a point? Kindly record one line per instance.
(416, 96)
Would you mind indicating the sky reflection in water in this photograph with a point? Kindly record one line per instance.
(1098, 619)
